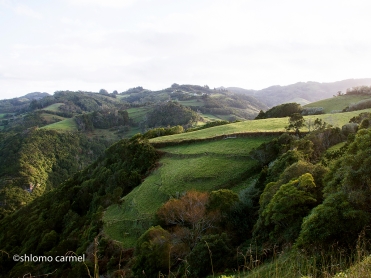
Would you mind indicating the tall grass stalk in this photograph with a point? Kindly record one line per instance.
(318, 263)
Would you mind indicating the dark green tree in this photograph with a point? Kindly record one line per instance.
(296, 122)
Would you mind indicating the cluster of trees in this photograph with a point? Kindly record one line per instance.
(195, 235)
(171, 114)
(280, 111)
(360, 105)
(163, 131)
(20, 104)
(208, 125)
(103, 119)
(226, 103)
(359, 90)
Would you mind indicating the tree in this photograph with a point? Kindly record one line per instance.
(153, 250)
(103, 92)
(188, 216)
(283, 207)
(346, 209)
(296, 122)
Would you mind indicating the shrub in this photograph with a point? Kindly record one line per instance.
(211, 255)
(152, 253)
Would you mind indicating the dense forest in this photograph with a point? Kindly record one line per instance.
(37, 160)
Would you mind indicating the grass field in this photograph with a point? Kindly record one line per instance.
(65, 125)
(202, 166)
(137, 114)
(50, 118)
(2, 115)
(54, 107)
(264, 125)
(210, 117)
(337, 103)
(192, 102)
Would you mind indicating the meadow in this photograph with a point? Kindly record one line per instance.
(50, 118)
(203, 166)
(53, 107)
(138, 113)
(263, 125)
(65, 125)
(337, 103)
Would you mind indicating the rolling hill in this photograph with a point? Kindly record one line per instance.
(307, 91)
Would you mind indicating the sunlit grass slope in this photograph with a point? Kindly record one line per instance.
(201, 166)
(65, 125)
(337, 103)
(264, 125)
(50, 118)
(138, 113)
(54, 107)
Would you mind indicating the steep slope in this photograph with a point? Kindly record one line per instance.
(37, 160)
(69, 217)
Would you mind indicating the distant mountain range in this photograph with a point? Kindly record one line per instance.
(301, 92)
(233, 98)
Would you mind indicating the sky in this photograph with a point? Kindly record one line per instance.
(88, 45)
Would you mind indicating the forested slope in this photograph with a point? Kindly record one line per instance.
(69, 217)
(36, 161)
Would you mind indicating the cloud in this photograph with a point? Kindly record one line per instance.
(102, 3)
(24, 10)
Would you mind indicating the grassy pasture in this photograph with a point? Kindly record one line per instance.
(54, 107)
(65, 125)
(203, 166)
(264, 125)
(50, 118)
(2, 115)
(192, 102)
(210, 117)
(337, 103)
(138, 113)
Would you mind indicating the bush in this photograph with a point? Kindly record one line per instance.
(212, 254)
(312, 111)
(152, 253)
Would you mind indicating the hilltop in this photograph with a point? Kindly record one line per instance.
(301, 92)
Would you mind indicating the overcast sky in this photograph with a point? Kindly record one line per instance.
(87, 45)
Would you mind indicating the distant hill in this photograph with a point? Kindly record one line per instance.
(309, 91)
(338, 103)
(36, 95)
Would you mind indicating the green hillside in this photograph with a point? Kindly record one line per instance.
(264, 125)
(54, 107)
(64, 125)
(201, 166)
(337, 103)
